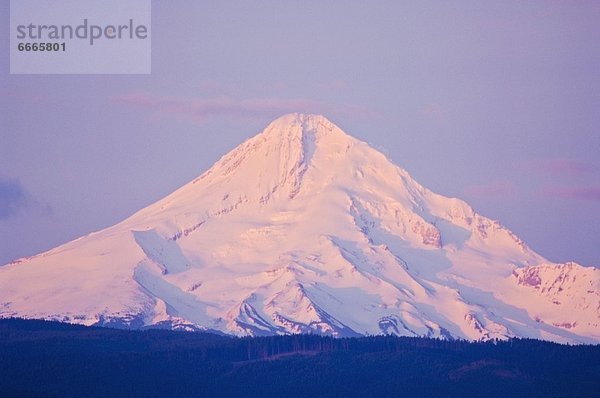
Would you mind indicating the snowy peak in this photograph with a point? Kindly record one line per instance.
(276, 159)
(304, 126)
(291, 140)
(303, 228)
(282, 153)
(271, 166)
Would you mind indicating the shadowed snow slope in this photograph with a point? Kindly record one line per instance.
(305, 229)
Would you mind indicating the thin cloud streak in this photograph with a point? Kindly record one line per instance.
(578, 192)
(561, 167)
(199, 109)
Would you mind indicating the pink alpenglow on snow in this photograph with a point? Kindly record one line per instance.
(305, 229)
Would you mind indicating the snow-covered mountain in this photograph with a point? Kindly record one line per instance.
(304, 228)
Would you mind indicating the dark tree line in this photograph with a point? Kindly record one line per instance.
(39, 358)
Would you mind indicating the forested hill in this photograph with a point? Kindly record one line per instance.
(45, 359)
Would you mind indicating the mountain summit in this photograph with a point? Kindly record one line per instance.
(305, 229)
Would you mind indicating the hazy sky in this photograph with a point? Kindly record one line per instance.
(494, 102)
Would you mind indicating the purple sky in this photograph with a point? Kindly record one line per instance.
(497, 103)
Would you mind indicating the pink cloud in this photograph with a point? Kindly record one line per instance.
(577, 192)
(201, 108)
(561, 167)
(492, 189)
